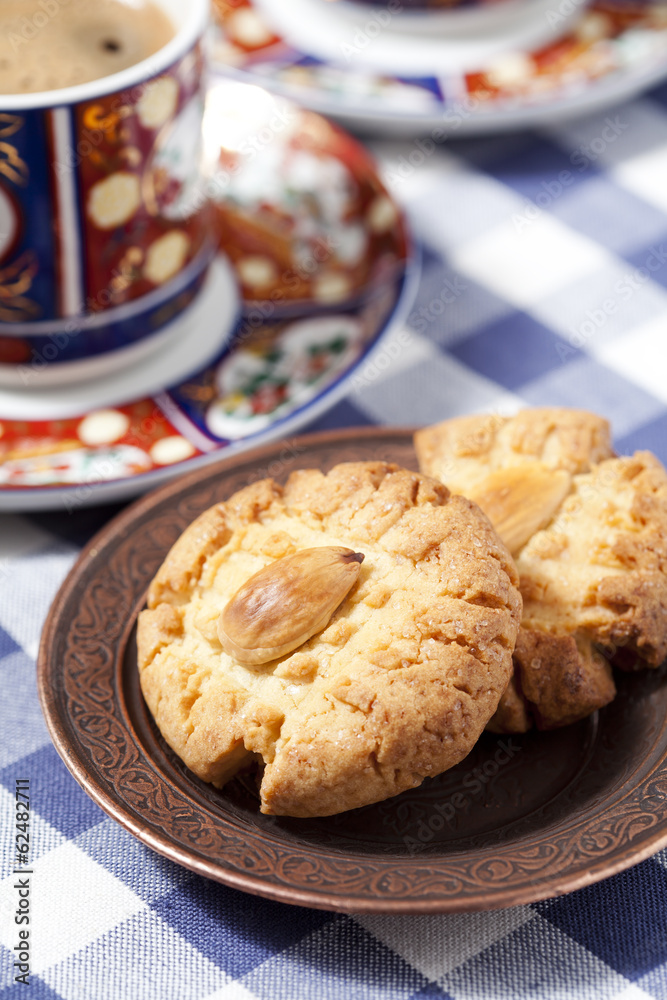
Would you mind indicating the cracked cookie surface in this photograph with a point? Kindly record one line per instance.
(593, 574)
(399, 684)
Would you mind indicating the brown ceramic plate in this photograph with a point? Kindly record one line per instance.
(520, 819)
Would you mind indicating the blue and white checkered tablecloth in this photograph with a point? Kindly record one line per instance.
(545, 282)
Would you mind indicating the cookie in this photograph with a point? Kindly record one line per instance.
(589, 535)
(396, 686)
(600, 567)
(558, 679)
(466, 450)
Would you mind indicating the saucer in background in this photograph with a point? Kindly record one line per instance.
(609, 52)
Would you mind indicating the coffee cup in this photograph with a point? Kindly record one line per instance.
(106, 235)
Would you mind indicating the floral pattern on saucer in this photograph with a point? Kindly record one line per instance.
(275, 369)
(613, 41)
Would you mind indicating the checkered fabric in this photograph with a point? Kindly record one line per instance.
(545, 282)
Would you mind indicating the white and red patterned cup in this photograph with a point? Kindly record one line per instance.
(105, 231)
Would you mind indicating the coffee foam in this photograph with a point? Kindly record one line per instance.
(50, 44)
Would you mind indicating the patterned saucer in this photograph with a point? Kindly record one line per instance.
(324, 261)
(610, 51)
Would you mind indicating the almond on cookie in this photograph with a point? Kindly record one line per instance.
(346, 679)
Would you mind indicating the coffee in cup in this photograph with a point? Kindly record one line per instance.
(50, 44)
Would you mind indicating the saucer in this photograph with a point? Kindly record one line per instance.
(194, 339)
(322, 256)
(609, 52)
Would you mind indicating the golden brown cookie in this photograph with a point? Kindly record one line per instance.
(396, 687)
(466, 450)
(558, 679)
(589, 535)
(599, 569)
